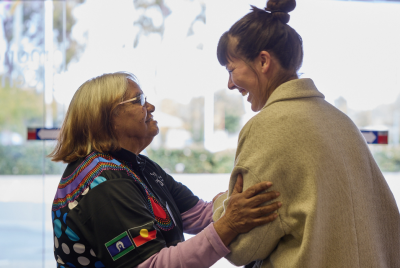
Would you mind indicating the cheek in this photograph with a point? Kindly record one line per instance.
(143, 115)
(240, 80)
(234, 79)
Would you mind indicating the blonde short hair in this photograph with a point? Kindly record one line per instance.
(88, 123)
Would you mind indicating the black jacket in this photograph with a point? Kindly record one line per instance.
(116, 210)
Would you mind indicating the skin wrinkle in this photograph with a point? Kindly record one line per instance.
(259, 77)
(135, 135)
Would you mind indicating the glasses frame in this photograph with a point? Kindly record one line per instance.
(142, 97)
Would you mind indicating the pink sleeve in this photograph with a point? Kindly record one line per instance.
(197, 218)
(200, 251)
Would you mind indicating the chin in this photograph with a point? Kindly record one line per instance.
(255, 108)
(154, 133)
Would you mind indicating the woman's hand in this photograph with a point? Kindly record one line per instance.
(243, 212)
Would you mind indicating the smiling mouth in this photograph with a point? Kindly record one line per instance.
(242, 91)
(150, 119)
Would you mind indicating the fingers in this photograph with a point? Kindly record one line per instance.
(238, 185)
(241, 216)
(257, 188)
(262, 198)
(266, 210)
(265, 214)
(265, 219)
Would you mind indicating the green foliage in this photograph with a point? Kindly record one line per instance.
(388, 158)
(232, 122)
(230, 106)
(20, 108)
(28, 159)
(194, 160)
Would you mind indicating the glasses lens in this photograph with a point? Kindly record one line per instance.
(142, 99)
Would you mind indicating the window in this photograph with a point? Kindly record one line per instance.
(49, 48)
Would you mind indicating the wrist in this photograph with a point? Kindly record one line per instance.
(225, 233)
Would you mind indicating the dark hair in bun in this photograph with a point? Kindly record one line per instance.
(264, 30)
(281, 8)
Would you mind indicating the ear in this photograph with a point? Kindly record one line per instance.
(265, 61)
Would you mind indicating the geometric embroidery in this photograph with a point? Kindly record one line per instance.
(72, 186)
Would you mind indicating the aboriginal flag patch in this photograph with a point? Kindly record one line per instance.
(143, 234)
(119, 246)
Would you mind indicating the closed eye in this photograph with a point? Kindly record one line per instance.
(140, 98)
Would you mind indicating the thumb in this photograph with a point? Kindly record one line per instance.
(238, 185)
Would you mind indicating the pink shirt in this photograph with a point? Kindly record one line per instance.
(200, 251)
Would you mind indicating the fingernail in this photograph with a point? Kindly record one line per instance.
(277, 194)
(269, 184)
(279, 204)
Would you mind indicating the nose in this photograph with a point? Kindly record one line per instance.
(150, 107)
(231, 85)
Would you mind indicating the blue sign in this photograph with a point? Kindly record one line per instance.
(375, 137)
(43, 133)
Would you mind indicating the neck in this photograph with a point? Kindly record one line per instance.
(281, 77)
(135, 147)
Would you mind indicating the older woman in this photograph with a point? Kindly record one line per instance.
(117, 208)
(339, 210)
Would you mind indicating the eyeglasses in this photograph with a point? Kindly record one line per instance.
(139, 99)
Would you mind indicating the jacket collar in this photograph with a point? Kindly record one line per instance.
(294, 89)
(135, 160)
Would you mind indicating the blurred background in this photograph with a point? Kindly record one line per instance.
(49, 48)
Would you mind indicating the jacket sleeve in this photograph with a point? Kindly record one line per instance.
(261, 241)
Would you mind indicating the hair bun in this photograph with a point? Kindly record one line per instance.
(281, 8)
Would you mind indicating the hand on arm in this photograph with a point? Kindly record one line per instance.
(243, 212)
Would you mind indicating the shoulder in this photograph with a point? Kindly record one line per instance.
(85, 174)
(110, 197)
(257, 124)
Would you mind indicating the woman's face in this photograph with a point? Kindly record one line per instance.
(134, 123)
(244, 78)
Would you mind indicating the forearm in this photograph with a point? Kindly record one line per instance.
(200, 251)
(197, 218)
